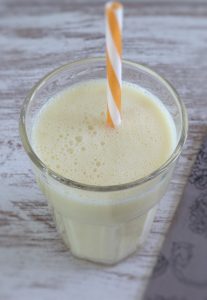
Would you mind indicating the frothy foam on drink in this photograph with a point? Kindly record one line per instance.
(71, 137)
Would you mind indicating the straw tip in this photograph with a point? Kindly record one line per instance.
(114, 5)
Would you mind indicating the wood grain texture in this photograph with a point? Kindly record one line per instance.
(37, 36)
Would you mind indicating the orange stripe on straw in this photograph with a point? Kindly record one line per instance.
(113, 61)
(115, 30)
(114, 87)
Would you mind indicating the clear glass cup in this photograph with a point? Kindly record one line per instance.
(102, 223)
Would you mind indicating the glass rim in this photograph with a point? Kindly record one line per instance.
(99, 188)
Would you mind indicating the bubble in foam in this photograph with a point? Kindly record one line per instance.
(83, 148)
(78, 138)
(98, 163)
(90, 127)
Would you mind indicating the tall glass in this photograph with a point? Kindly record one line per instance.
(102, 223)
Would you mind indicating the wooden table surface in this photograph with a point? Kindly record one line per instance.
(36, 37)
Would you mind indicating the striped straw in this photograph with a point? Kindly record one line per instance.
(114, 16)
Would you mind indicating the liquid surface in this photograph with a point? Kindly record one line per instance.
(71, 137)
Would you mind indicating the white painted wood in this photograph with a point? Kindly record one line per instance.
(37, 36)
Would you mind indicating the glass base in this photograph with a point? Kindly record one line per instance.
(102, 243)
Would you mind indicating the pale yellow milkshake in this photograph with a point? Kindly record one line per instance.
(71, 137)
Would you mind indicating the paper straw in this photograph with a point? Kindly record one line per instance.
(114, 16)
